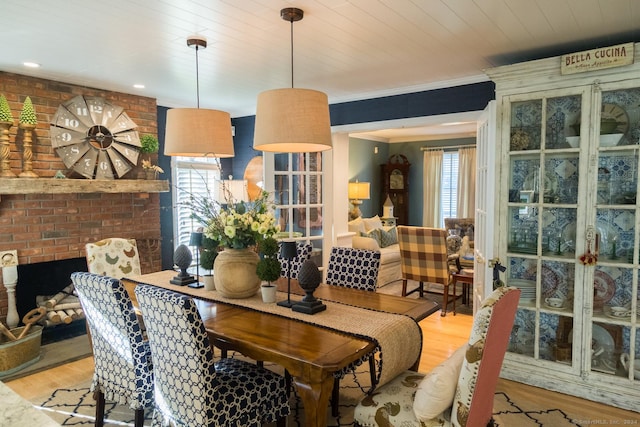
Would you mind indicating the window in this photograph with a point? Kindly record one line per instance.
(449, 190)
(193, 176)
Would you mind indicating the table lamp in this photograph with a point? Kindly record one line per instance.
(358, 191)
(288, 251)
(196, 241)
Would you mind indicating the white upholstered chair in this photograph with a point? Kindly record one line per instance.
(460, 391)
(113, 257)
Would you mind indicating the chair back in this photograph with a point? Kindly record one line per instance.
(353, 268)
(423, 254)
(113, 257)
(303, 253)
(182, 356)
(121, 356)
(492, 324)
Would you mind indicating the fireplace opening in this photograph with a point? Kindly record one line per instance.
(48, 278)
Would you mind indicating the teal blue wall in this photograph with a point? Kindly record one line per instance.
(365, 165)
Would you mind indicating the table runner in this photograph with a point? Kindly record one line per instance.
(398, 336)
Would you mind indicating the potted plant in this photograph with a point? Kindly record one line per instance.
(208, 254)
(149, 144)
(151, 170)
(268, 268)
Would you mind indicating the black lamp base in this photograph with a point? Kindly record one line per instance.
(309, 307)
(286, 303)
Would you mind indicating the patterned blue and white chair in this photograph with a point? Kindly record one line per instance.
(356, 269)
(123, 369)
(353, 268)
(303, 253)
(192, 390)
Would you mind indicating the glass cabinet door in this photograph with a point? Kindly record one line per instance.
(545, 168)
(614, 298)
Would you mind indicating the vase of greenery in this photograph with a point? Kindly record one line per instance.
(149, 145)
(268, 268)
(209, 251)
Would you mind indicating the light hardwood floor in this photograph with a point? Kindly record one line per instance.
(442, 336)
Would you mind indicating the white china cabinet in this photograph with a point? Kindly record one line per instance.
(568, 226)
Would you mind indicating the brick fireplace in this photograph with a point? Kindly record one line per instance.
(50, 227)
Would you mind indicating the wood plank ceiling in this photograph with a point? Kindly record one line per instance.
(350, 49)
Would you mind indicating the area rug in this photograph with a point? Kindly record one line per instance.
(75, 407)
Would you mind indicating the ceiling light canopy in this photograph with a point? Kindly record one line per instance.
(196, 132)
(292, 120)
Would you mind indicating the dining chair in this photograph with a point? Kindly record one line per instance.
(353, 268)
(192, 390)
(459, 391)
(114, 257)
(424, 258)
(303, 253)
(123, 369)
(356, 269)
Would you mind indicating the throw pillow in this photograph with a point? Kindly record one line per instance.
(372, 223)
(359, 242)
(437, 389)
(373, 234)
(388, 238)
(356, 226)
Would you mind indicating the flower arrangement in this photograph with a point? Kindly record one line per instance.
(147, 165)
(235, 225)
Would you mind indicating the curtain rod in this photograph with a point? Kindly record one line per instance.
(448, 147)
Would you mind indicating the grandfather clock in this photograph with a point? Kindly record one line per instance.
(395, 183)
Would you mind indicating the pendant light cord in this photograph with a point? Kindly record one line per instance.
(197, 80)
(291, 53)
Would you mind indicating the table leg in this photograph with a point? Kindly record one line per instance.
(315, 399)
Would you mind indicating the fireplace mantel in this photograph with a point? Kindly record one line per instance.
(62, 186)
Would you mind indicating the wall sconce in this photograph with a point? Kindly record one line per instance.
(358, 191)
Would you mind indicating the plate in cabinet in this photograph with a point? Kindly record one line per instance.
(604, 288)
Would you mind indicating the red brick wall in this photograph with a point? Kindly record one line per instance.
(45, 227)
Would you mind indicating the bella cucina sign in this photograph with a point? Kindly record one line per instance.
(597, 59)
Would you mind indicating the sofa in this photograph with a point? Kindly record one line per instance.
(368, 233)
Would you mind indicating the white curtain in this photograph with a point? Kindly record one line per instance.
(432, 182)
(466, 182)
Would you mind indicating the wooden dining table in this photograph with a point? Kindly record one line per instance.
(310, 353)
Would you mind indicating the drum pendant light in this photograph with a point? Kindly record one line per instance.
(292, 120)
(196, 132)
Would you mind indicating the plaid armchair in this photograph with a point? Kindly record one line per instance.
(424, 258)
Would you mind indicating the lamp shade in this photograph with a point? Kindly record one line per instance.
(195, 239)
(292, 121)
(233, 191)
(197, 132)
(288, 249)
(359, 191)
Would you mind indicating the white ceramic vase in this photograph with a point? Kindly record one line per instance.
(209, 283)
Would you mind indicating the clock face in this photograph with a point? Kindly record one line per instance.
(95, 138)
(396, 180)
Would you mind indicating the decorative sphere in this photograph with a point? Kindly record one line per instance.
(182, 257)
(309, 277)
